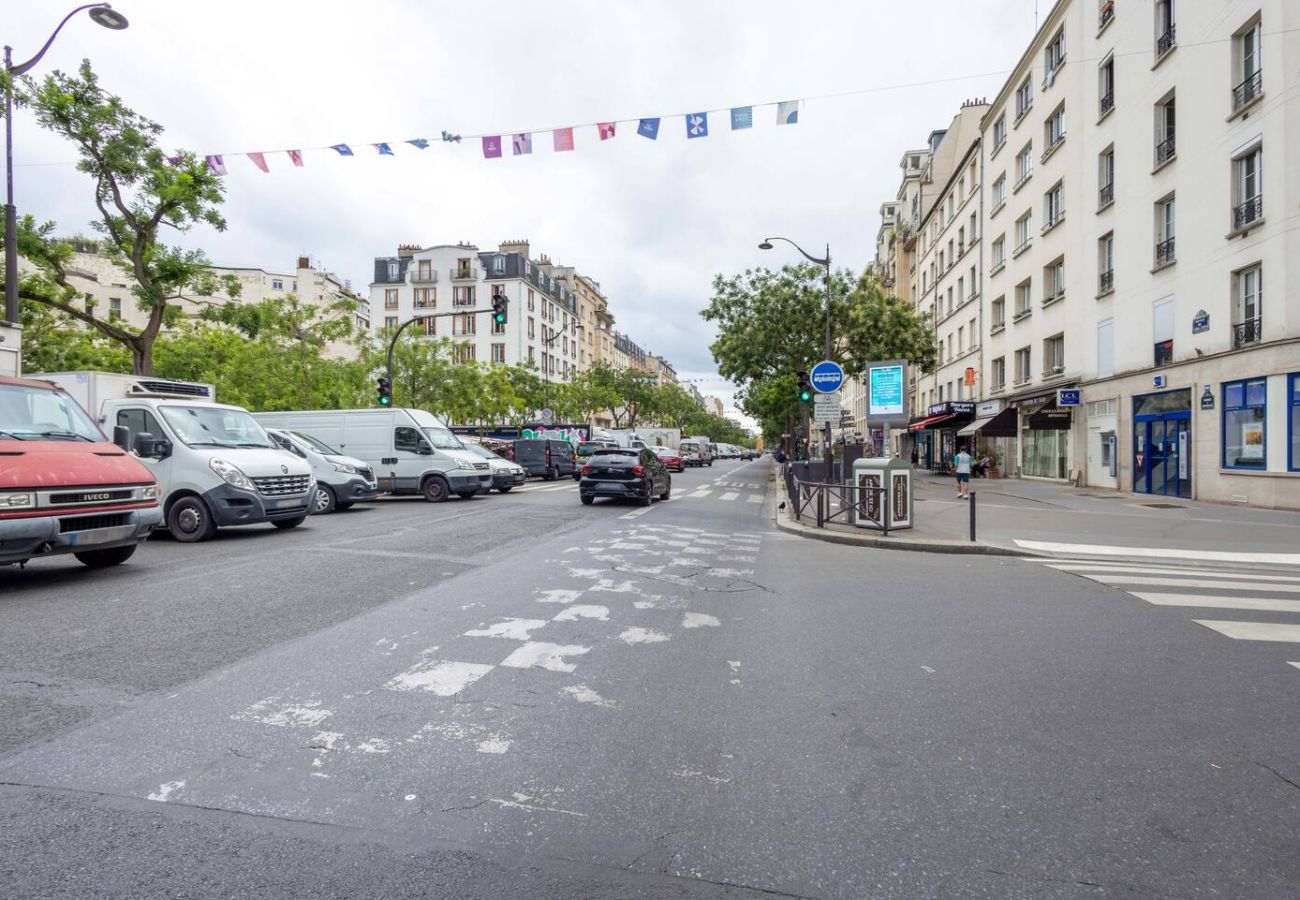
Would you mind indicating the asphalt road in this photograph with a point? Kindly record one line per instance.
(522, 697)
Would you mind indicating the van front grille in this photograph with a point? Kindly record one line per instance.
(279, 485)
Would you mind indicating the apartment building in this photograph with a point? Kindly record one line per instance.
(542, 325)
(595, 321)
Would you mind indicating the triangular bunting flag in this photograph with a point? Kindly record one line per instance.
(492, 146)
(384, 149)
(422, 143)
(697, 125)
(742, 117)
(175, 160)
(787, 112)
(259, 160)
(296, 156)
(343, 149)
(649, 128)
(562, 139)
(522, 144)
(216, 166)
(606, 130)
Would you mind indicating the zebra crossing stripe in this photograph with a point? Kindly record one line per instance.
(755, 498)
(1296, 664)
(1263, 604)
(1253, 631)
(1285, 559)
(702, 492)
(1172, 582)
(1085, 568)
(729, 495)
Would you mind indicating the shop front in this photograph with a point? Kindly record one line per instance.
(935, 433)
(1162, 443)
(1044, 437)
(992, 435)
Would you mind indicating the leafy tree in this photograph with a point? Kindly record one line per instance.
(51, 343)
(137, 192)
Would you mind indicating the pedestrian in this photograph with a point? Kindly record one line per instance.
(961, 467)
(779, 457)
(916, 457)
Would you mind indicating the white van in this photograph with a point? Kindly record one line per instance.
(410, 451)
(340, 480)
(214, 464)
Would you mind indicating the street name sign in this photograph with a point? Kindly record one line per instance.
(827, 377)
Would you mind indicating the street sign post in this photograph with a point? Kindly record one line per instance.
(826, 409)
(546, 416)
(827, 377)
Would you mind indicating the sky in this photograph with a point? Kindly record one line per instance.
(652, 221)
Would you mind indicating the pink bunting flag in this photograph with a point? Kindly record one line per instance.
(492, 146)
(563, 139)
(259, 160)
(606, 130)
(296, 156)
(216, 166)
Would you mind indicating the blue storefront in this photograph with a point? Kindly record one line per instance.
(1162, 443)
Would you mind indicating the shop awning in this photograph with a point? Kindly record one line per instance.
(1001, 424)
(930, 422)
(1049, 417)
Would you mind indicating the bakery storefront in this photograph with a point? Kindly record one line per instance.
(1044, 437)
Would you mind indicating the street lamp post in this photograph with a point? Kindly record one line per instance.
(825, 261)
(102, 14)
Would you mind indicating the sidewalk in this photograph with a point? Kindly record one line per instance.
(1027, 517)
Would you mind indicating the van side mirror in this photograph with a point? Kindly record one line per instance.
(150, 447)
(424, 448)
(122, 436)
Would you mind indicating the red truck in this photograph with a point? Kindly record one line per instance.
(64, 488)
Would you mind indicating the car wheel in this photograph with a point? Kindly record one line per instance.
(668, 489)
(325, 501)
(435, 489)
(343, 504)
(103, 559)
(550, 475)
(505, 489)
(587, 501)
(189, 521)
(286, 524)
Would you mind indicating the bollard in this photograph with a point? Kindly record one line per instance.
(972, 516)
(821, 500)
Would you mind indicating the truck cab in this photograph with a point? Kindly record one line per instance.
(64, 489)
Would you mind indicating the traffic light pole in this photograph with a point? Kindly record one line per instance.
(392, 342)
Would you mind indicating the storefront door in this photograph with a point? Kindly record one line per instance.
(1162, 444)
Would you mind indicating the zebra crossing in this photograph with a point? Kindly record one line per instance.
(1217, 593)
(722, 491)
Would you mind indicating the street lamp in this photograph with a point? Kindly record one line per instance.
(101, 14)
(826, 261)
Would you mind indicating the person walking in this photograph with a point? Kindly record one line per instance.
(961, 464)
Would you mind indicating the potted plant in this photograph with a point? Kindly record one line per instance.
(992, 454)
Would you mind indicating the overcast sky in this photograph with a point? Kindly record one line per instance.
(652, 221)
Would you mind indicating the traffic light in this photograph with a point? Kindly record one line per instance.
(805, 388)
(499, 308)
(385, 391)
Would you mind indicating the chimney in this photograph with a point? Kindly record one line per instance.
(304, 262)
(520, 247)
(406, 251)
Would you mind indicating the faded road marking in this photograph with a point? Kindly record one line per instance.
(165, 791)
(542, 655)
(442, 677)
(514, 629)
(700, 620)
(584, 694)
(287, 716)
(573, 613)
(637, 635)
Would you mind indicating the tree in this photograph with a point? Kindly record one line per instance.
(137, 191)
(628, 394)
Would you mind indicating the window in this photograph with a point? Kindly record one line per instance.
(532, 356)
(1023, 360)
(393, 268)
(1054, 355)
(1162, 330)
(1000, 191)
(1106, 178)
(1054, 282)
(498, 353)
(390, 298)
(1024, 299)
(140, 421)
(1164, 27)
(961, 290)
(999, 373)
(1244, 407)
(114, 308)
(1247, 323)
(390, 321)
(465, 323)
(974, 285)
(465, 268)
(1053, 206)
(277, 284)
(1166, 120)
(974, 335)
(1053, 56)
(998, 311)
(1024, 231)
(1106, 263)
(1106, 86)
(1246, 61)
(1106, 14)
(1024, 98)
(961, 338)
(1248, 170)
(430, 326)
(498, 265)
(961, 240)
(1025, 164)
(406, 439)
(1293, 421)
(1105, 348)
(1054, 130)
(1165, 220)
(462, 295)
(424, 270)
(941, 265)
(425, 298)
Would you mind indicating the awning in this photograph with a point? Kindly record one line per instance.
(1050, 418)
(1002, 424)
(930, 421)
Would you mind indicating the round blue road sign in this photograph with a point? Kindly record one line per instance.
(827, 377)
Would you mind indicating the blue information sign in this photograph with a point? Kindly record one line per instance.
(827, 377)
(1067, 397)
(886, 390)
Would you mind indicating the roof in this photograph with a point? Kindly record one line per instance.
(29, 382)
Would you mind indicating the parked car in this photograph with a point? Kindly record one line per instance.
(548, 457)
(410, 450)
(505, 474)
(693, 454)
(63, 487)
(340, 480)
(671, 458)
(582, 454)
(705, 448)
(625, 474)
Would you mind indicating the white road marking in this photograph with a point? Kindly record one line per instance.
(702, 492)
(493, 745)
(573, 613)
(638, 512)
(700, 620)
(734, 664)
(558, 595)
(755, 498)
(729, 495)
(165, 791)
(1095, 566)
(928, 669)
(286, 716)
(375, 745)
(514, 804)
(1296, 664)
(1253, 631)
(445, 678)
(1286, 559)
(541, 655)
(730, 573)
(606, 585)
(584, 694)
(515, 629)
(638, 635)
(1173, 582)
(1258, 603)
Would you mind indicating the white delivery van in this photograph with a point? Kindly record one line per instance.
(340, 480)
(410, 450)
(704, 447)
(214, 464)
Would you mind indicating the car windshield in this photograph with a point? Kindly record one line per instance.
(480, 450)
(215, 426)
(587, 448)
(37, 414)
(318, 446)
(442, 439)
(612, 452)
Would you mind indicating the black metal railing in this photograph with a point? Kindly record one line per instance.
(1250, 88)
(1165, 252)
(829, 502)
(1106, 196)
(1107, 102)
(1106, 281)
(1250, 211)
(1107, 13)
(1165, 42)
(1165, 150)
(1248, 332)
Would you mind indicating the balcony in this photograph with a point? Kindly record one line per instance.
(427, 276)
(1107, 103)
(1023, 314)
(997, 327)
(1248, 332)
(1165, 151)
(1248, 90)
(1165, 254)
(465, 273)
(998, 266)
(1107, 13)
(1020, 182)
(1054, 221)
(1248, 213)
(1056, 297)
(1163, 352)
(1106, 196)
(1022, 247)
(1052, 147)
(1165, 42)
(1106, 282)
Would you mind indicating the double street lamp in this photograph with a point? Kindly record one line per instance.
(101, 14)
(826, 262)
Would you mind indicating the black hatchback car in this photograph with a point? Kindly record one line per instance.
(627, 474)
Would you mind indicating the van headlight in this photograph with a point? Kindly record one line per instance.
(461, 464)
(231, 474)
(345, 469)
(149, 493)
(17, 501)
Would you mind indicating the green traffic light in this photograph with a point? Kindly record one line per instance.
(385, 400)
(805, 396)
(499, 318)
